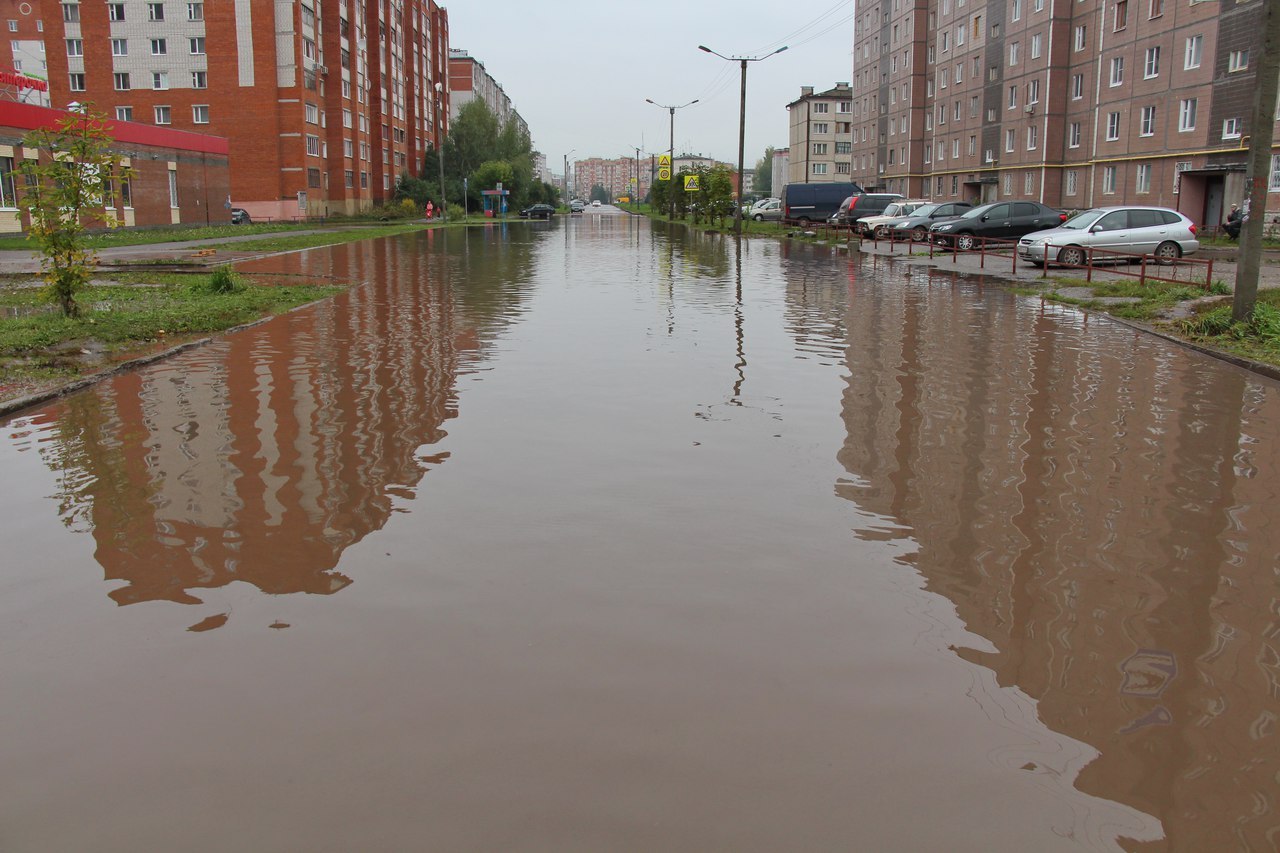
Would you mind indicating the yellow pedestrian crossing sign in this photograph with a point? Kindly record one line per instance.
(691, 183)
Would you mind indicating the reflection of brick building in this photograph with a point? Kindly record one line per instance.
(1087, 103)
(178, 176)
(325, 105)
(1102, 517)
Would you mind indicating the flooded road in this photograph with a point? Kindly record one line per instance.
(585, 535)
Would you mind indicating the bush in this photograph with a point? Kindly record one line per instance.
(223, 280)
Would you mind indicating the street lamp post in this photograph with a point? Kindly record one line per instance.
(671, 152)
(566, 175)
(439, 139)
(742, 121)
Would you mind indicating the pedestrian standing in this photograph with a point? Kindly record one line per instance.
(430, 210)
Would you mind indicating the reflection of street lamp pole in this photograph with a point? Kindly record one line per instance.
(566, 175)
(439, 139)
(742, 122)
(671, 152)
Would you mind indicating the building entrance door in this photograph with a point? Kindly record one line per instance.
(1213, 195)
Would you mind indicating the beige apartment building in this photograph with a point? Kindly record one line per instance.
(820, 136)
(1074, 103)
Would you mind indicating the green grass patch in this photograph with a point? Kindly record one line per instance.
(1156, 297)
(149, 236)
(1258, 338)
(286, 242)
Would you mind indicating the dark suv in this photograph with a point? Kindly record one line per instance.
(862, 205)
(1004, 220)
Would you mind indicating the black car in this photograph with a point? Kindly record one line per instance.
(916, 226)
(538, 211)
(240, 216)
(1003, 220)
(861, 205)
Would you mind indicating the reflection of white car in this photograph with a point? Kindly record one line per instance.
(595, 203)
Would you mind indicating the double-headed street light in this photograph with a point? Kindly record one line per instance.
(671, 152)
(742, 122)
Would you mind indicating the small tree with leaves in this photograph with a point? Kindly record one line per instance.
(73, 182)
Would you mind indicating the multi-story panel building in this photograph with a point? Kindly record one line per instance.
(468, 80)
(23, 52)
(325, 106)
(820, 135)
(616, 176)
(1075, 103)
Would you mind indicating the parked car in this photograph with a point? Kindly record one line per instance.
(1158, 231)
(916, 226)
(1005, 220)
(861, 205)
(576, 206)
(878, 226)
(809, 203)
(768, 210)
(538, 211)
(240, 216)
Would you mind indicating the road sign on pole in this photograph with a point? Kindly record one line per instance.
(664, 173)
(691, 183)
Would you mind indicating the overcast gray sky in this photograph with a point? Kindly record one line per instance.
(579, 70)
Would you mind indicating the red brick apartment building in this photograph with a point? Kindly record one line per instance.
(179, 176)
(1075, 103)
(324, 105)
(615, 176)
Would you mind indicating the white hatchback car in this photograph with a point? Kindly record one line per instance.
(1158, 231)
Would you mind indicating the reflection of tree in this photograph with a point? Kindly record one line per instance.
(1080, 499)
(262, 457)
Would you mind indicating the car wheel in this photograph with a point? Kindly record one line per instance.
(1168, 252)
(759, 217)
(1072, 256)
(881, 233)
(965, 242)
(804, 221)
(918, 233)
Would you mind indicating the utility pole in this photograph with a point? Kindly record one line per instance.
(1262, 132)
(671, 153)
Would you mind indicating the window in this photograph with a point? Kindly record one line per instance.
(1151, 66)
(1013, 53)
(993, 73)
(1230, 128)
(1033, 92)
(76, 81)
(821, 127)
(195, 11)
(1073, 135)
(842, 169)
(991, 114)
(1077, 86)
(1155, 8)
(124, 113)
(955, 184)
(312, 114)
(1117, 70)
(1108, 179)
(1033, 137)
(1028, 185)
(1148, 126)
(819, 148)
(1143, 178)
(973, 106)
(155, 11)
(1013, 97)
(847, 147)
(1072, 178)
(818, 169)
(1009, 139)
(973, 145)
(115, 12)
(1274, 184)
(1122, 14)
(995, 31)
(122, 81)
(159, 47)
(197, 45)
(928, 155)
(173, 188)
(955, 111)
(8, 189)
(159, 79)
(162, 115)
(1195, 45)
(1081, 37)
(955, 148)
(1187, 115)
(1237, 60)
(959, 72)
(946, 41)
(75, 47)
(119, 47)
(821, 108)
(1035, 46)
(71, 13)
(200, 114)
(199, 79)
(1113, 126)
(13, 26)
(1008, 184)
(1015, 12)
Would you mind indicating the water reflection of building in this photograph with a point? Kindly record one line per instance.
(1098, 508)
(262, 457)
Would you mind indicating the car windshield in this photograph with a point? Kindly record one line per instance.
(1081, 221)
(925, 209)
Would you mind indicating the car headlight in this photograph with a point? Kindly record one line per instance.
(942, 228)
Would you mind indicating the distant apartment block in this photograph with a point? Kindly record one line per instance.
(23, 52)
(468, 81)
(324, 105)
(1075, 104)
(821, 135)
(615, 176)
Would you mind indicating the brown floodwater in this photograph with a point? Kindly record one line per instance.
(588, 535)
